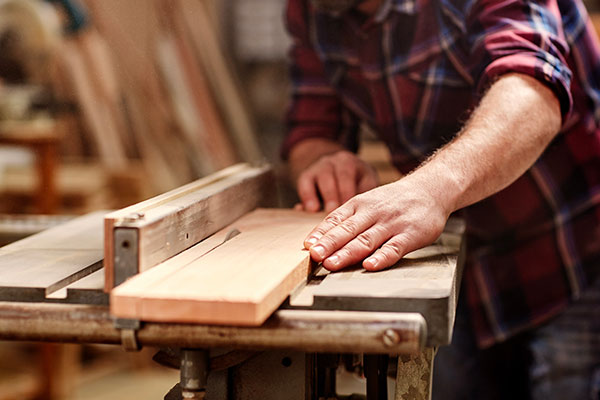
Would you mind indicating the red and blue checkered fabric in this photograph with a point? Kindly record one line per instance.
(413, 72)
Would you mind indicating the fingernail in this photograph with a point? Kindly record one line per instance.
(373, 261)
(319, 250)
(311, 241)
(335, 260)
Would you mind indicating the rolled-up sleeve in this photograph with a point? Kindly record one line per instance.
(314, 110)
(517, 36)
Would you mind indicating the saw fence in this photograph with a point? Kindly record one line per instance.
(204, 267)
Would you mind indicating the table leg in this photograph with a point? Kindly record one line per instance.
(414, 378)
(47, 196)
(376, 366)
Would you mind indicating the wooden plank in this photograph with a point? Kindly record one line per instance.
(240, 282)
(35, 267)
(96, 112)
(425, 281)
(131, 30)
(175, 221)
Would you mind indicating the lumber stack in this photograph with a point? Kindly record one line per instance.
(152, 82)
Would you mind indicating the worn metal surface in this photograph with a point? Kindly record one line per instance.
(273, 375)
(194, 373)
(414, 377)
(126, 249)
(311, 331)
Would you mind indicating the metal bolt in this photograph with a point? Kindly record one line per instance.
(390, 337)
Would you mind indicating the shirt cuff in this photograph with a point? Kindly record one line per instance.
(543, 66)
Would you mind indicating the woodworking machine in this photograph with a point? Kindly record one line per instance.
(55, 285)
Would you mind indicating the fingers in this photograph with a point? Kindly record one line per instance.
(392, 251)
(322, 179)
(308, 193)
(336, 237)
(346, 176)
(331, 221)
(356, 250)
(326, 182)
(336, 178)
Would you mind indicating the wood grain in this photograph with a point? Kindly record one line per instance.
(175, 221)
(240, 282)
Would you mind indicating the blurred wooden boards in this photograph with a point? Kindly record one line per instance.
(239, 282)
(168, 93)
(145, 234)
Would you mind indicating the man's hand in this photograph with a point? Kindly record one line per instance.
(325, 171)
(507, 132)
(385, 223)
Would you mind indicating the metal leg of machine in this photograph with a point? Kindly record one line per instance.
(413, 380)
(194, 373)
(326, 367)
(376, 366)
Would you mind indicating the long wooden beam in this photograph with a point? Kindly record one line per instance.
(145, 234)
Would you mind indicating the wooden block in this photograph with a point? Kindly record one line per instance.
(239, 282)
(177, 220)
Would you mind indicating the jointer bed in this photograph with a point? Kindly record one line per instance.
(55, 286)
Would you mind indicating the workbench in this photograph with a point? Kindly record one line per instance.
(52, 289)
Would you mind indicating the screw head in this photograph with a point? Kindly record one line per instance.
(390, 337)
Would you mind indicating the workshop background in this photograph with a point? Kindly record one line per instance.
(104, 103)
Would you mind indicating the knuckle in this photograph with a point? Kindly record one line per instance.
(393, 251)
(366, 241)
(334, 219)
(328, 242)
(349, 227)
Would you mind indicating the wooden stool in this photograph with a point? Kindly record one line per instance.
(43, 137)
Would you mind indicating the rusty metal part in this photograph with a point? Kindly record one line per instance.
(313, 331)
(194, 373)
(414, 375)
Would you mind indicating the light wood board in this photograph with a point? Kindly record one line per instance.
(238, 282)
(35, 267)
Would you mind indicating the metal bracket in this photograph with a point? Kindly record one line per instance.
(126, 254)
(129, 328)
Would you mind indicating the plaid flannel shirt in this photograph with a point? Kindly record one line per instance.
(413, 71)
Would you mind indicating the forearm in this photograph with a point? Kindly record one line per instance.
(508, 131)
